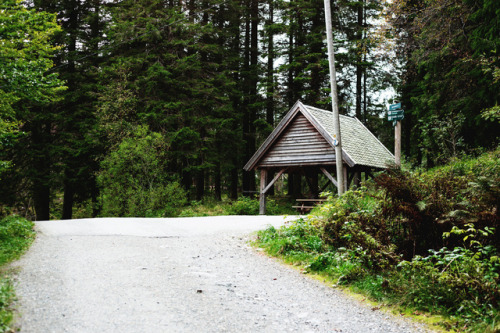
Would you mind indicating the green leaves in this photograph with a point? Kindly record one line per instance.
(26, 54)
(25, 57)
(133, 178)
(449, 86)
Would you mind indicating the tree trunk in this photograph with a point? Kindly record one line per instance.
(217, 182)
(69, 195)
(41, 198)
(233, 192)
(290, 92)
(270, 69)
(359, 59)
(254, 75)
(247, 175)
(200, 184)
(316, 49)
(41, 165)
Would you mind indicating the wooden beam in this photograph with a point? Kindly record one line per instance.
(329, 176)
(350, 176)
(262, 196)
(346, 183)
(273, 181)
(357, 178)
(324, 187)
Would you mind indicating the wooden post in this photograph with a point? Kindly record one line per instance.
(397, 143)
(262, 196)
(335, 98)
(357, 178)
(314, 184)
(346, 185)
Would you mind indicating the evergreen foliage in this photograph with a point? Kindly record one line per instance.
(134, 181)
(25, 57)
(450, 53)
(213, 78)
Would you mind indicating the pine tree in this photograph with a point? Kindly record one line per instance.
(171, 78)
(27, 93)
(447, 83)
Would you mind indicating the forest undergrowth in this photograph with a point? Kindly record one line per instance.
(16, 235)
(425, 242)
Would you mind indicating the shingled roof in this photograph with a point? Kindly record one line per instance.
(359, 145)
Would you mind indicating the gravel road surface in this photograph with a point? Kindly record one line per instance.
(176, 275)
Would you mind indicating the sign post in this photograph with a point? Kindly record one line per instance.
(397, 143)
(396, 114)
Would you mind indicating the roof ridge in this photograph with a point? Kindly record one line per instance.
(322, 110)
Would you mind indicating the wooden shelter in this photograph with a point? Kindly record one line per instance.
(303, 143)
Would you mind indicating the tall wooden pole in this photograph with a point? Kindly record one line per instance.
(262, 196)
(335, 102)
(397, 143)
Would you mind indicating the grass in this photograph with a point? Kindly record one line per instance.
(16, 235)
(345, 270)
(425, 243)
(205, 207)
(242, 206)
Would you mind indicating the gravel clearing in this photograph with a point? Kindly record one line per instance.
(176, 275)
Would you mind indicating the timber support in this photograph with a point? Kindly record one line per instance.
(262, 196)
(264, 187)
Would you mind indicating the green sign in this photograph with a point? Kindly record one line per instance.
(398, 117)
(396, 106)
(395, 113)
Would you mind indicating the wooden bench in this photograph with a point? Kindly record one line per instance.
(306, 205)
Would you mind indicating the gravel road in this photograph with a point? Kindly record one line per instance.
(176, 275)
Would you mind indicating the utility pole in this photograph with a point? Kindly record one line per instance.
(335, 102)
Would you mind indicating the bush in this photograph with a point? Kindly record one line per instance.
(353, 222)
(134, 182)
(248, 206)
(16, 234)
(244, 206)
(362, 238)
(459, 283)
(6, 298)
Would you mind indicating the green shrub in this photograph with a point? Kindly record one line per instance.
(248, 206)
(134, 182)
(459, 283)
(362, 238)
(16, 234)
(353, 222)
(244, 206)
(6, 298)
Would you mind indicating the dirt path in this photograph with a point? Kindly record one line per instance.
(176, 275)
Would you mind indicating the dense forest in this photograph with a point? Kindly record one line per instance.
(131, 106)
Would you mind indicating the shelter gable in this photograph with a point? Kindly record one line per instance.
(299, 144)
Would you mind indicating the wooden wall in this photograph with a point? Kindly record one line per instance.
(299, 145)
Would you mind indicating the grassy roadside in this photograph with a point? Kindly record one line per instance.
(16, 235)
(425, 243)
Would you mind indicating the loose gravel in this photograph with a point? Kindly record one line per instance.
(176, 275)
